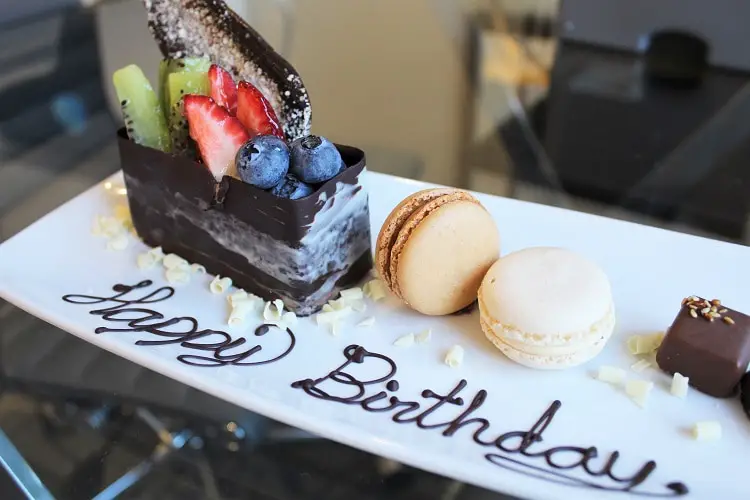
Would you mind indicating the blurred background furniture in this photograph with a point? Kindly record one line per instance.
(630, 112)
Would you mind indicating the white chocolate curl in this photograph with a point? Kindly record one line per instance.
(455, 356)
(219, 285)
(174, 261)
(405, 340)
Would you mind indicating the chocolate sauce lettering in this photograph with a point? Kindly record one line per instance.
(221, 348)
(518, 451)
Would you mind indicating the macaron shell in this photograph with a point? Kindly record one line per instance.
(393, 224)
(442, 252)
(415, 218)
(553, 361)
(546, 290)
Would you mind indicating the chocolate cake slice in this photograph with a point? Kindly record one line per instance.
(300, 251)
(283, 218)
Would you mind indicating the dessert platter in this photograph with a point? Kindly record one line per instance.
(526, 349)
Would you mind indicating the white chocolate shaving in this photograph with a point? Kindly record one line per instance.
(645, 344)
(709, 430)
(149, 259)
(108, 227)
(329, 317)
(679, 386)
(351, 294)
(145, 261)
(273, 311)
(177, 276)
(174, 261)
(367, 322)
(611, 375)
(632, 343)
(641, 365)
(197, 269)
(337, 304)
(242, 304)
(157, 253)
(122, 215)
(327, 308)
(239, 312)
(358, 306)
(638, 391)
(117, 243)
(237, 296)
(455, 356)
(375, 289)
(424, 336)
(219, 284)
(405, 340)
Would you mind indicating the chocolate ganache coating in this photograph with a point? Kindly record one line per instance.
(710, 344)
(300, 251)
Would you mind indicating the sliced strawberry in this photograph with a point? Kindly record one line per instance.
(255, 112)
(218, 134)
(223, 89)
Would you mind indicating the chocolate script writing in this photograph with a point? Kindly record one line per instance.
(128, 305)
(519, 451)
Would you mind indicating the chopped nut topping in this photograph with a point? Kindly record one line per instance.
(708, 310)
(728, 320)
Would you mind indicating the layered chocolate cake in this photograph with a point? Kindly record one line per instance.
(221, 168)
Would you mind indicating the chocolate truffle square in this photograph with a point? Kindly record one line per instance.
(710, 344)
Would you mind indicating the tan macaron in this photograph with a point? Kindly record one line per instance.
(435, 247)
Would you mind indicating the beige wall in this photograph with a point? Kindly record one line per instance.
(367, 89)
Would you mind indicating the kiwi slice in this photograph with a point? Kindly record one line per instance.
(184, 65)
(163, 65)
(179, 85)
(141, 109)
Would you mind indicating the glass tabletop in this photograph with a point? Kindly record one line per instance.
(553, 103)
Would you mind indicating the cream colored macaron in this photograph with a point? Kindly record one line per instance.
(547, 308)
(435, 247)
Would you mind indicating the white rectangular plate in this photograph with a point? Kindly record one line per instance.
(651, 270)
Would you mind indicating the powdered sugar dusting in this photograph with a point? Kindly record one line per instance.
(196, 28)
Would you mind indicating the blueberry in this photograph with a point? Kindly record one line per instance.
(315, 159)
(292, 188)
(263, 161)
